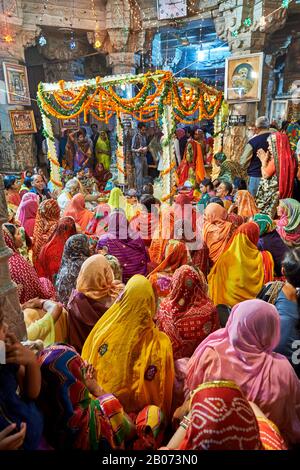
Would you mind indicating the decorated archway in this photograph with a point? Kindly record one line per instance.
(161, 97)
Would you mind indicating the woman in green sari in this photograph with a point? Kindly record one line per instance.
(229, 169)
(102, 150)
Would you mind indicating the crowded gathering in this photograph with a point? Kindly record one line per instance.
(150, 250)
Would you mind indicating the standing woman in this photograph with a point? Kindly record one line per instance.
(96, 290)
(278, 174)
(51, 254)
(45, 224)
(76, 251)
(103, 151)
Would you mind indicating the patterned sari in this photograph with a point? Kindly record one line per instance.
(45, 224)
(187, 315)
(288, 226)
(73, 420)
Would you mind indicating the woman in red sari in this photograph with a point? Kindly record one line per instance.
(187, 315)
(45, 223)
(193, 160)
(51, 254)
(278, 174)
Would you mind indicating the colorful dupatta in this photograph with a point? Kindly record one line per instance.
(221, 419)
(242, 270)
(162, 235)
(45, 223)
(51, 254)
(246, 204)
(73, 420)
(187, 315)
(27, 211)
(76, 209)
(217, 230)
(285, 163)
(76, 251)
(243, 352)
(176, 255)
(132, 357)
(288, 226)
(117, 199)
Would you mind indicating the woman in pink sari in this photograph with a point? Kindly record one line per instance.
(243, 352)
(27, 211)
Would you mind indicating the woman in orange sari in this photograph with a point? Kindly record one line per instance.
(242, 270)
(161, 236)
(45, 224)
(193, 160)
(76, 209)
(217, 230)
(176, 255)
(245, 203)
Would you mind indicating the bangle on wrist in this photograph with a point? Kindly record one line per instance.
(185, 422)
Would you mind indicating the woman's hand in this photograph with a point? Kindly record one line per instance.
(16, 353)
(262, 155)
(180, 413)
(14, 441)
(33, 303)
(90, 380)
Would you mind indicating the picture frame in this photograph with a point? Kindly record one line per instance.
(279, 111)
(16, 81)
(22, 122)
(243, 78)
(72, 123)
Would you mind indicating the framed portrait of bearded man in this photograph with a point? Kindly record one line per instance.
(243, 78)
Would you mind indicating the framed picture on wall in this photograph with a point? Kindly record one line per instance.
(22, 122)
(243, 78)
(72, 123)
(16, 82)
(279, 111)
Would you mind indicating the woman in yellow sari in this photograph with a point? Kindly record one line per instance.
(102, 150)
(133, 359)
(242, 270)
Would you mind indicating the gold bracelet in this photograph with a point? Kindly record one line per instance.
(185, 422)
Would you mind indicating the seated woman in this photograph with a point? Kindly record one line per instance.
(96, 290)
(243, 352)
(22, 272)
(74, 420)
(51, 254)
(12, 190)
(148, 219)
(226, 428)
(20, 383)
(187, 315)
(45, 224)
(245, 203)
(278, 173)
(161, 236)
(102, 176)
(126, 341)
(27, 212)
(76, 251)
(242, 270)
(176, 255)
(270, 240)
(128, 247)
(285, 297)
(217, 230)
(26, 186)
(224, 191)
(46, 320)
(99, 224)
(76, 209)
(207, 191)
(288, 226)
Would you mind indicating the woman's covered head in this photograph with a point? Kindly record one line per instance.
(16, 234)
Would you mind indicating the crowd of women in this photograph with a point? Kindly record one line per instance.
(156, 326)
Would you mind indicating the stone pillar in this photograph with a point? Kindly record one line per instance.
(123, 62)
(9, 300)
